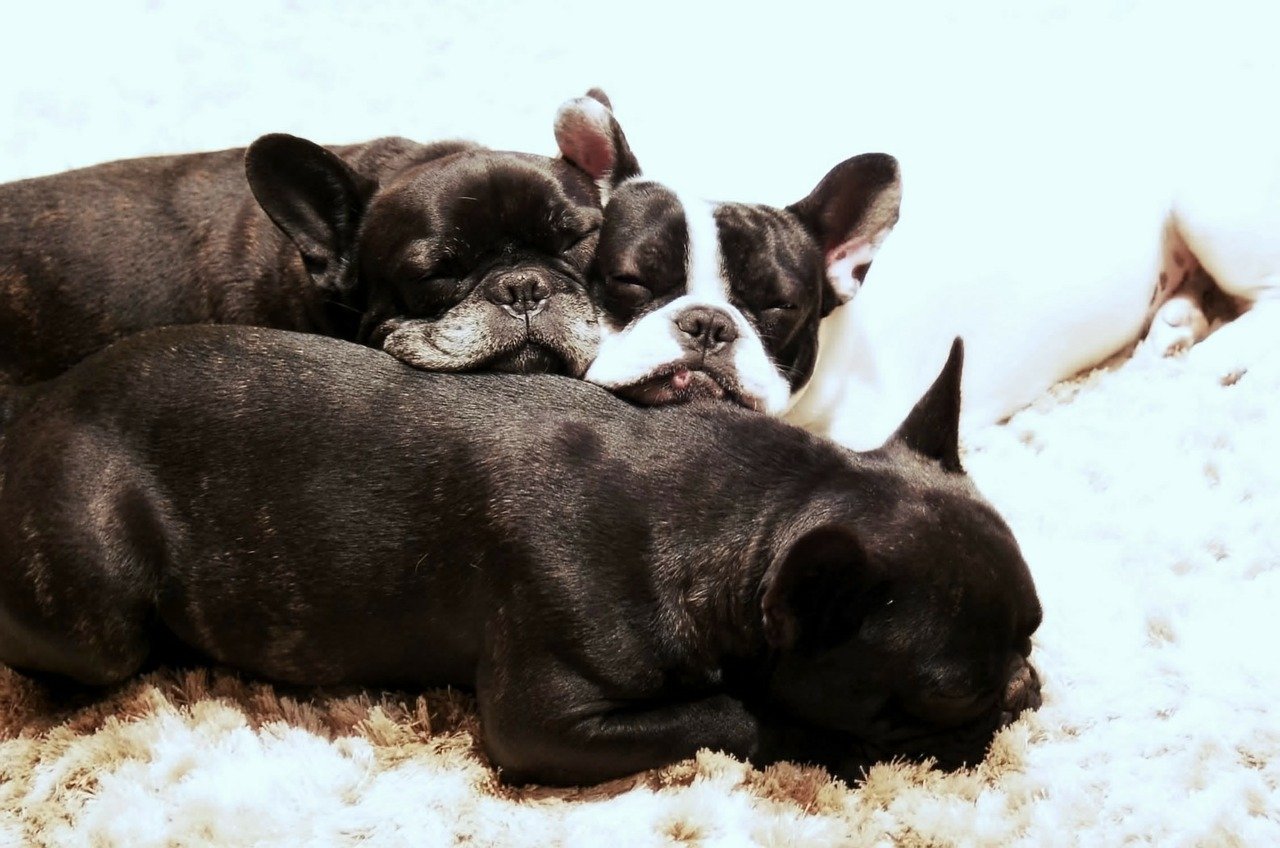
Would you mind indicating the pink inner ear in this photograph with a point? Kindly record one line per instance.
(858, 252)
(846, 264)
(585, 139)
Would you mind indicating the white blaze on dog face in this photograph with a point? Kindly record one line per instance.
(682, 325)
(724, 300)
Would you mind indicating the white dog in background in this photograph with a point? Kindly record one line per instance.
(1050, 275)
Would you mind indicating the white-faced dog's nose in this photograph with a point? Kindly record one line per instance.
(705, 328)
(522, 295)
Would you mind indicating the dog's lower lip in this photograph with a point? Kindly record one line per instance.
(529, 358)
(675, 385)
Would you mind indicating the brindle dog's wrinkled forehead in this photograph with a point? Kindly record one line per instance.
(470, 260)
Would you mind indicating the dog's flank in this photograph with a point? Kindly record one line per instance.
(315, 512)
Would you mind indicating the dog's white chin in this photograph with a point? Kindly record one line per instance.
(647, 351)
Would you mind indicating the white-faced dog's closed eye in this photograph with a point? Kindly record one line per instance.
(724, 300)
(700, 332)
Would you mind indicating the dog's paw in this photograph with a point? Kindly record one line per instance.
(1176, 327)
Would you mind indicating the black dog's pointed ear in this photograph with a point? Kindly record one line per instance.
(590, 137)
(850, 213)
(932, 428)
(813, 591)
(316, 199)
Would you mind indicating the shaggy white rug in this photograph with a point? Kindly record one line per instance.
(1145, 494)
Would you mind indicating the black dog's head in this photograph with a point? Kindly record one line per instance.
(909, 627)
(476, 260)
(724, 300)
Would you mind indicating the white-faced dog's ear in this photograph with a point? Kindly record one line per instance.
(932, 427)
(591, 138)
(813, 590)
(850, 213)
(316, 199)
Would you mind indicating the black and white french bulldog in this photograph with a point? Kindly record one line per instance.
(620, 586)
(448, 255)
(724, 299)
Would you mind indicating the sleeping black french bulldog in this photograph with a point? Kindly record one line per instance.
(448, 255)
(621, 586)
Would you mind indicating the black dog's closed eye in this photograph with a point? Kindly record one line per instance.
(430, 296)
(627, 291)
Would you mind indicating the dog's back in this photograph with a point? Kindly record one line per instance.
(180, 455)
(91, 255)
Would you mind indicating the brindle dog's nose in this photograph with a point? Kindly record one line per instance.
(706, 328)
(521, 295)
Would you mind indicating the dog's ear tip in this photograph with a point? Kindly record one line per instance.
(596, 93)
(583, 109)
(589, 136)
(272, 147)
(932, 427)
(276, 139)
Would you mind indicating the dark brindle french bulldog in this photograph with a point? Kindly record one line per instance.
(724, 299)
(621, 586)
(448, 255)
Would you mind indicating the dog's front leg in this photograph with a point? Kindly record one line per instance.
(594, 742)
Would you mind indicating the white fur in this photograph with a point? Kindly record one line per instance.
(1065, 282)
(704, 265)
(859, 250)
(638, 350)
(840, 267)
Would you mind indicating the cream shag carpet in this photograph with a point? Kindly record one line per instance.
(1145, 497)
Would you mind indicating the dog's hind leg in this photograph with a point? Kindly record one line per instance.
(77, 562)
(1176, 318)
(1228, 215)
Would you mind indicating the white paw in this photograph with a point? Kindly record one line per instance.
(1176, 326)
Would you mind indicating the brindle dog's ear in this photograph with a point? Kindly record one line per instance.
(814, 592)
(850, 213)
(316, 199)
(932, 428)
(590, 137)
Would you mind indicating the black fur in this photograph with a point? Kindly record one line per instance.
(621, 586)
(780, 272)
(374, 242)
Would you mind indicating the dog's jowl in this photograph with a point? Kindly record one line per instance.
(724, 300)
(621, 586)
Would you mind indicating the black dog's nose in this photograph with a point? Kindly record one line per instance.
(520, 294)
(1021, 688)
(706, 327)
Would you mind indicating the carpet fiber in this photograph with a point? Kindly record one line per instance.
(1144, 495)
